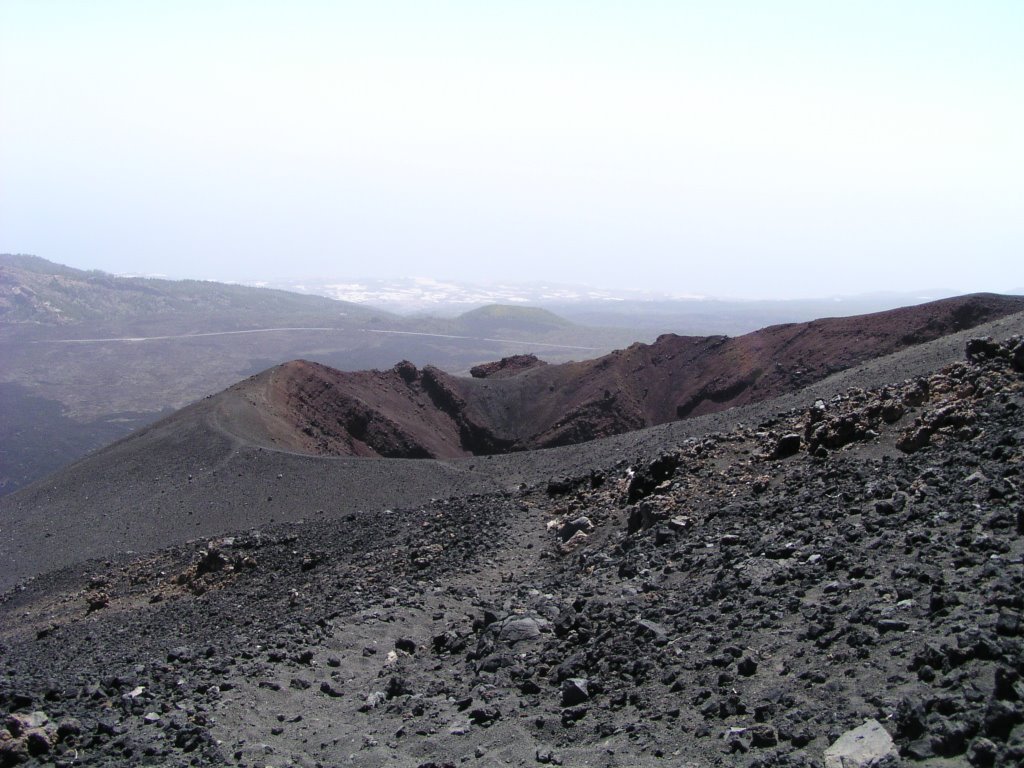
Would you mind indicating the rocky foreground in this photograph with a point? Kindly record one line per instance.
(840, 585)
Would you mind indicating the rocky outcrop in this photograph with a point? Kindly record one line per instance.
(475, 437)
(360, 414)
(507, 366)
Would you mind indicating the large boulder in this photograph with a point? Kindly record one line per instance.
(866, 746)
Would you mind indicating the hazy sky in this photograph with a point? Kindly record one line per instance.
(733, 148)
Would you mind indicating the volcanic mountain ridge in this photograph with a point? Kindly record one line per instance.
(521, 404)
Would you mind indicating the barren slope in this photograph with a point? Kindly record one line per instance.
(192, 475)
(723, 604)
(413, 413)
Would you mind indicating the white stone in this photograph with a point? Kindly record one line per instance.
(863, 747)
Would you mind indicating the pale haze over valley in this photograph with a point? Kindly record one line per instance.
(749, 150)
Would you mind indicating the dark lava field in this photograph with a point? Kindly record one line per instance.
(833, 578)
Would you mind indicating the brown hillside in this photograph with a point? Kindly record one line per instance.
(412, 413)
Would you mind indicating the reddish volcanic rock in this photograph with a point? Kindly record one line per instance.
(507, 366)
(310, 408)
(519, 403)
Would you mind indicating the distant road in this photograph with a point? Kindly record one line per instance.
(179, 336)
(279, 330)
